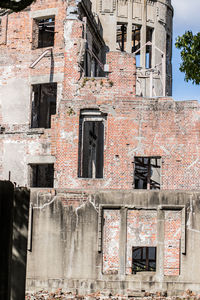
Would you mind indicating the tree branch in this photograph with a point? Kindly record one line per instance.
(15, 5)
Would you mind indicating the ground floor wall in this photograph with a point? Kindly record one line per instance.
(84, 242)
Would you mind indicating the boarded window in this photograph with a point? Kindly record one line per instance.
(91, 144)
(143, 259)
(41, 175)
(147, 173)
(43, 104)
(121, 37)
(43, 32)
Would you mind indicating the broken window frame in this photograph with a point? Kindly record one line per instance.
(121, 35)
(40, 28)
(147, 180)
(36, 104)
(144, 263)
(35, 182)
(92, 115)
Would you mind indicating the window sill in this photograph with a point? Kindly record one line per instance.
(36, 131)
(142, 273)
(83, 178)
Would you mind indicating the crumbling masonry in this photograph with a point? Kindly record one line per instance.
(87, 122)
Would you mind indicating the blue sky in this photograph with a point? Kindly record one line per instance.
(186, 17)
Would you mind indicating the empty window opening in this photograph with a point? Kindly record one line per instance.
(87, 62)
(143, 259)
(91, 145)
(94, 63)
(43, 32)
(147, 173)
(91, 65)
(41, 175)
(149, 34)
(43, 104)
(168, 53)
(121, 36)
(136, 36)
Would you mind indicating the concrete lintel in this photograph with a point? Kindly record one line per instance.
(44, 12)
(115, 206)
(39, 159)
(58, 77)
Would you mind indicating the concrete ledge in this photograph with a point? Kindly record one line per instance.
(44, 13)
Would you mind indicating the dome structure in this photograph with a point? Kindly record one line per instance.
(142, 27)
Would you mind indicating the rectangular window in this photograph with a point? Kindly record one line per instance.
(94, 63)
(43, 104)
(41, 175)
(143, 259)
(136, 44)
(43, 32)
(147, 173)
(168, 53)
(91, 144)
(91, 61)
(121, 36)
(149, 35)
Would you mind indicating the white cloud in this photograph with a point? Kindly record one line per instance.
(186, 15)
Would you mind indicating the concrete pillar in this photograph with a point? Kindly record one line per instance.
(122, 245)
(143, 35)
(129, 29)
(160, 245)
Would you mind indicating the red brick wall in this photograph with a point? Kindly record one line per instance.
(134, 127)
(141, 232)
(172, 243)
(111, 241)
(17, 52)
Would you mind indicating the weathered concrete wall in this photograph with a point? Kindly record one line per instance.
(71, 232)
(14, 213)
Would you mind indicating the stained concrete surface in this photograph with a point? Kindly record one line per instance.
(70, 236)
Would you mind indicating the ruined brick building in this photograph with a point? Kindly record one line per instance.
(89, 124)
